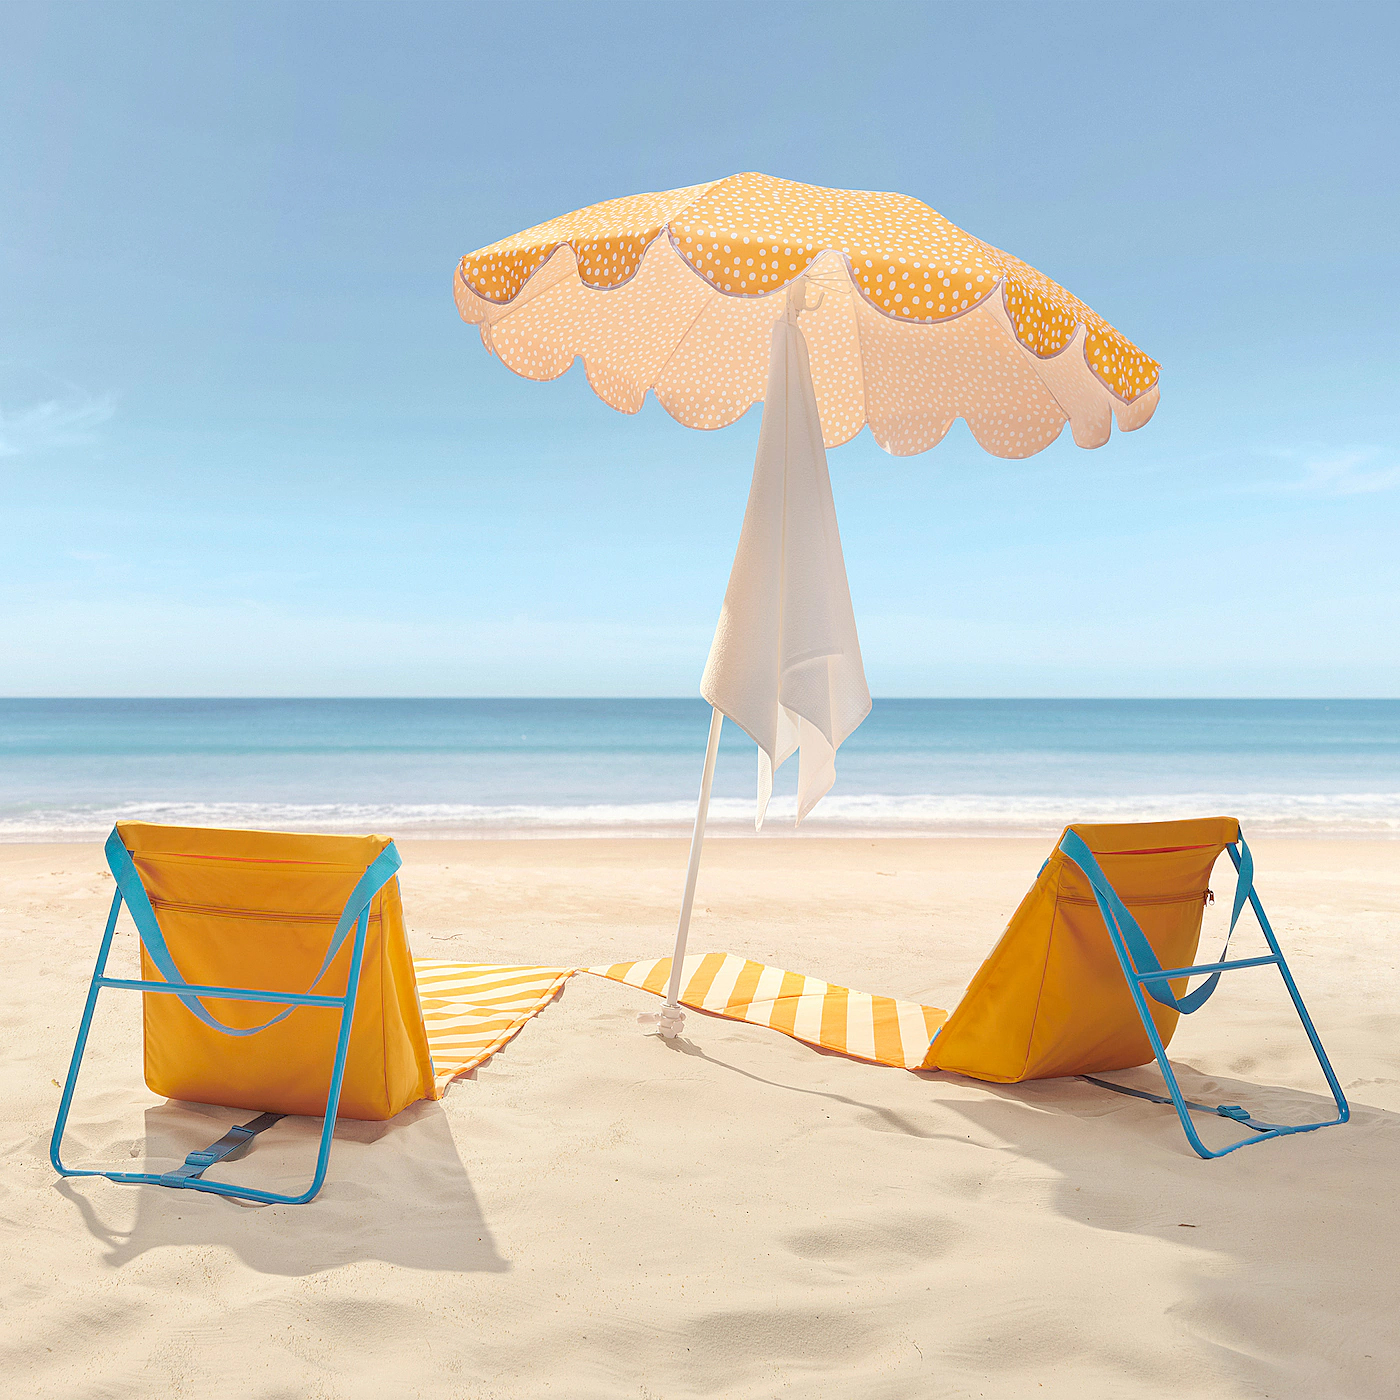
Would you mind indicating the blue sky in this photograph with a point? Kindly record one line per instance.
(246, 446)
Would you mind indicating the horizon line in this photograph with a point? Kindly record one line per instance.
(697, 699)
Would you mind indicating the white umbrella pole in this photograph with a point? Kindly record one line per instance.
(697, 839)
(672, 1018)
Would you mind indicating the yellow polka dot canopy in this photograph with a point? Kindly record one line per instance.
(910, 322)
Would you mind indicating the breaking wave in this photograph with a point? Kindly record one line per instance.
(951, 814)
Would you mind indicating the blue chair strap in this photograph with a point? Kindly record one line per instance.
(1118, 918)
(378, 874)
(1224, 1110)
(197, 1163)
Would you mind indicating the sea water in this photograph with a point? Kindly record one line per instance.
(69, 768)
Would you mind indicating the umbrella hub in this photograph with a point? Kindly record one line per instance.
(798, 300)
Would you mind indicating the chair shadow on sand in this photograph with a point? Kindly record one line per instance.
(397, 1192)
(1010, 1112)
(1004, 1111)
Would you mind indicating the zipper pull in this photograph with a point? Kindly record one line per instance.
(1210, 898)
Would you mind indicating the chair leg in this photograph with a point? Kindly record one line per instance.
(342, 1051)
(1339, 1098)
(80, 1045)
(1169, 1074)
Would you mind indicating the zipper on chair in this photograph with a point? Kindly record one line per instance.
(1205, 897)
(272, 914)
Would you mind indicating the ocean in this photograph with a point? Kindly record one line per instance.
(454, 768)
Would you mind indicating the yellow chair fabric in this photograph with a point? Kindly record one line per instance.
(1051, 998)
(257, 909)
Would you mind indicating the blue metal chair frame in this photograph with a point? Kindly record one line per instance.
(1146, 977)
(131, 892)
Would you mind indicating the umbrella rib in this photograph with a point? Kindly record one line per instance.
(856, 305)
(1002, 322)
(518, 303)
(680, 340)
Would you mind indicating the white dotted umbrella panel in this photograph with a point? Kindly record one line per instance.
(1006, 349)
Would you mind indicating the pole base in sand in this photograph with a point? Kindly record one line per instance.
(669, 1022)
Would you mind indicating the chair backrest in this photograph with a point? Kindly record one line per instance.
(257, 909)
(1051, 999)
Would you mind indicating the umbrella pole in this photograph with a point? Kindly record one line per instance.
(672, 1018)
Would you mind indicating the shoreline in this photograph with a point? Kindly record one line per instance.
(1255, 832)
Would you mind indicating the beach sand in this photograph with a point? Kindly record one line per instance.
(600, 1214)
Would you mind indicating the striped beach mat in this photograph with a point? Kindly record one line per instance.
(472, 1010)
(883, 1030)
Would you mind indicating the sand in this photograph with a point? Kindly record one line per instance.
(600, 1214)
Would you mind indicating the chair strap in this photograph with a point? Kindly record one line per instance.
(378, 874)
(1118, 917)
(1224, 1110)
(197, 1163)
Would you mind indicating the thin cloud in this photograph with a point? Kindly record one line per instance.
(1352, 473)
(66, 422)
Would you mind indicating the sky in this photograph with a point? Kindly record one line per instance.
(247, 447)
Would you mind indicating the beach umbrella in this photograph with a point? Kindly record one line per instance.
(839, 309)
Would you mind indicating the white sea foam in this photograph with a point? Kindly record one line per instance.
(954, 814)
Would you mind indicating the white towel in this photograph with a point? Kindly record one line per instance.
(785, 664)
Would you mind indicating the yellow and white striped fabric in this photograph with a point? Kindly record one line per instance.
(865, 1027)
(471, 1010)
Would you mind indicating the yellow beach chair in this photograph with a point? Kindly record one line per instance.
(1091, 974)
(233, 926)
